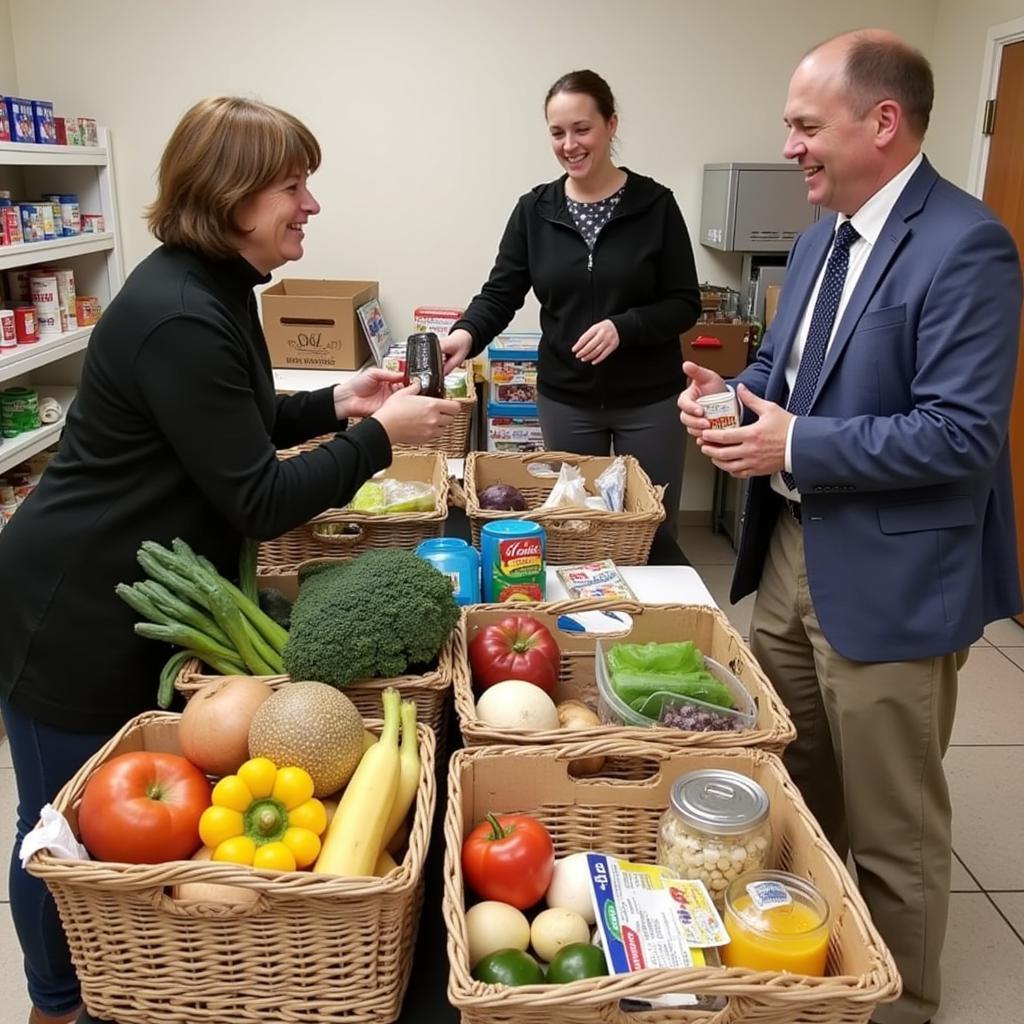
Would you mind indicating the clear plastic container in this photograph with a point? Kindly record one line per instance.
(776, 922)
(612, 710)
(715, 829)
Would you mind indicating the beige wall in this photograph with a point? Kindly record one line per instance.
(958, 56)
(429, 111)
(8, 71)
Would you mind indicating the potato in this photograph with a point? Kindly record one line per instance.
(556, 928)
(491, 926)
(574, 714)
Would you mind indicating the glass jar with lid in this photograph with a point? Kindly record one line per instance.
(715, 828)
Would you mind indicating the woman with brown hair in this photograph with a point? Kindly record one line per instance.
(173, 434)
(607, 254)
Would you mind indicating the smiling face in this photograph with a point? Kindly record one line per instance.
(839, 153)
(580, 137)
(272, 222)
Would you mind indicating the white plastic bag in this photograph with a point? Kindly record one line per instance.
(569, 490)
(611, 485)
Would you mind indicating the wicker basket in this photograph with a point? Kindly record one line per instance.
(707, 627)
(429, 690)
(454, 442)
(398, 530)
(572, 534)
(618, 815)
(310, 947)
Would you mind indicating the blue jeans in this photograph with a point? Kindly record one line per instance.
(44, 759)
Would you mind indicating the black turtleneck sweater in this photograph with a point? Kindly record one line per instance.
(173, 434)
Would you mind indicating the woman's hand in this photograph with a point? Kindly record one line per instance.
(412, 418)
(365, 393)
(597, 343)
(455, 348)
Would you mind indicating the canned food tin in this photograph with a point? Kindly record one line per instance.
(19, 411)
(512, 561)
(25, 324)
(92, 223)
(8, 332)
(70, 215)
(722, 410)
(11, 216)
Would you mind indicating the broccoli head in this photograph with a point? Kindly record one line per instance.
(372, 617)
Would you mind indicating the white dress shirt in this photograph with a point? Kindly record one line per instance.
(868, 221)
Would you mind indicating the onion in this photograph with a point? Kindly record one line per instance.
(574, 714)
(570, 886)
(214, 727)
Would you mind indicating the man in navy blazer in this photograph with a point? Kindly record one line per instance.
(879, 531)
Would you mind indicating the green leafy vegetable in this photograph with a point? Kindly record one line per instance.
(640, 672)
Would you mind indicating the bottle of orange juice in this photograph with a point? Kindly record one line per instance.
(776, 922)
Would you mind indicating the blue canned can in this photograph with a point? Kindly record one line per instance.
(459, 561)
(512, 566)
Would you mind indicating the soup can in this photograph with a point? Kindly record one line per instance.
(19, 411)
(512, 566)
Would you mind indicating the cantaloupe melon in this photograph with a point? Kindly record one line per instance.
(313, 726)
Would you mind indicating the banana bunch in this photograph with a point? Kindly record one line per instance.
(377, 799)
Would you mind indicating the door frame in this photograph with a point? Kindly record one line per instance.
(999, 36)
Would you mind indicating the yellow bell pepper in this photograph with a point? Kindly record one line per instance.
(264, 816)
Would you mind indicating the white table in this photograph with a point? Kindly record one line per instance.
(652, 584)
(289, 381)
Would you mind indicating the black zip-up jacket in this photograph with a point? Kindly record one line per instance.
(173, 434)
(640, 275)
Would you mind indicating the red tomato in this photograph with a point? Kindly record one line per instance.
(509, 858)
(517, 647)
(143, 808)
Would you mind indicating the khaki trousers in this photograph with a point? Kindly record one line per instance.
(868, 760)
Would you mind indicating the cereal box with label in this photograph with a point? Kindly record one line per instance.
(513, 428)
(513, 368)
(435, 319)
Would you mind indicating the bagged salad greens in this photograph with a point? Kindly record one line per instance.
(643, 673)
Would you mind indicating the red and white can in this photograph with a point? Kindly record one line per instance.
(25, 326)
(8, 334)
(722, 410)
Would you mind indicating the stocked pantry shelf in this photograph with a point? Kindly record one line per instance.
(16, 361)
(17, 449)
(32, 155)
(12, 256)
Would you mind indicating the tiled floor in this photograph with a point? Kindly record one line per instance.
(984, 953)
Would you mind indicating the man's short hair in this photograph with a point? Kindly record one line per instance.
(879, 70)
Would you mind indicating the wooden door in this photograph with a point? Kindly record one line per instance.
(1004, 193)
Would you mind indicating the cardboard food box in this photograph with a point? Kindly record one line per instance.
(313, 325)
(720, 347)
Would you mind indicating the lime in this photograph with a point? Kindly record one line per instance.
(577, 961)
(509, 967)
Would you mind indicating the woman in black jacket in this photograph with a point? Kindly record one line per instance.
(173, 434)
(609, 258)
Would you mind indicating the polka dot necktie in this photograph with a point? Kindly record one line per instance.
(820, 331)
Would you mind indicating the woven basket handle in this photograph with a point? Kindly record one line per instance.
(166, 904)
(341, 540)
(729, 1015)
(577, 527)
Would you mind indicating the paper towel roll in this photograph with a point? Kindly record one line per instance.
(49, 409)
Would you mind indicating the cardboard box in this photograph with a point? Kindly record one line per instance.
(313, 325)
(719, 347)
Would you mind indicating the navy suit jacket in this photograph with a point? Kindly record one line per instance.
(902, 462)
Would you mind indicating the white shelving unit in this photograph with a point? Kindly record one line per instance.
(52, 365)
